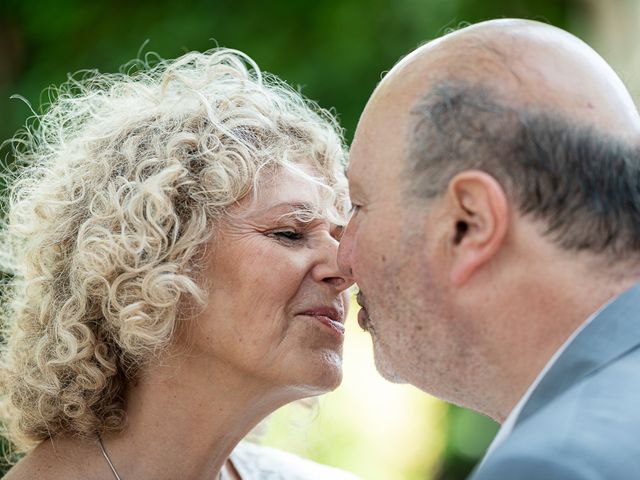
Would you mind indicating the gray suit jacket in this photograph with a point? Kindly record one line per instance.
(583, 419)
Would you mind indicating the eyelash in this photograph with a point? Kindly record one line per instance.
(288, 235)
(338, 232)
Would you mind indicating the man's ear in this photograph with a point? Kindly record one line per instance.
(479, 212)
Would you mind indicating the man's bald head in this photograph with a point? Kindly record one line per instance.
(482, 163)
(530, 64)
(537, 109)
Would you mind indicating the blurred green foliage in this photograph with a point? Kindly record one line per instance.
(468, 436)
(334, 50)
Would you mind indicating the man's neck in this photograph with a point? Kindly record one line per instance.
(544, 324)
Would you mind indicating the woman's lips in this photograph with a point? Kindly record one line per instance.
(337, 326)
(328, 316)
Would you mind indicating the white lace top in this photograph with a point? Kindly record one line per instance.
(256, 462)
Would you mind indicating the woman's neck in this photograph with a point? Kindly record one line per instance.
(183, 423)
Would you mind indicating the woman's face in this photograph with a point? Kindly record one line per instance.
(277, 301)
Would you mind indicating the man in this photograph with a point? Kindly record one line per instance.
(495, 177)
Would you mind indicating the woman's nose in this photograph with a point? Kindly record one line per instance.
(328, 271)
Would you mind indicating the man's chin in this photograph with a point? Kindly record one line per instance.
(386, 370)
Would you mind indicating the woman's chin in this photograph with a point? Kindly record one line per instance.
(319, 380)
(329, 382)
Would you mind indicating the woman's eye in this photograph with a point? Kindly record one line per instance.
(337, 232)
(289, 235)
(354, 209)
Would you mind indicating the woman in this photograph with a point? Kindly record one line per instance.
(173, 236)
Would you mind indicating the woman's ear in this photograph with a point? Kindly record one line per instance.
(479, 215)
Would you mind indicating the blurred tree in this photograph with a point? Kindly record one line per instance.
(334, 50)
(468, 436)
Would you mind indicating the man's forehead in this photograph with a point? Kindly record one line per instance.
(357, 160)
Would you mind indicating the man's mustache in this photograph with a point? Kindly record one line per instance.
(361, 299)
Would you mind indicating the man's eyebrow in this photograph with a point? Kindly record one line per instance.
(354, 186)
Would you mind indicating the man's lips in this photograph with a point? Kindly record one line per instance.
(363, 319)
(363, 315)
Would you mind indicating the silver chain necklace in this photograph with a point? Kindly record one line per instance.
(106, 457)
(115, 472)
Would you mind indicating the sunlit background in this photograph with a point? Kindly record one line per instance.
(335, 51)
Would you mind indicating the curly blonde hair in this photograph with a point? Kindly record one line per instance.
(119, 187)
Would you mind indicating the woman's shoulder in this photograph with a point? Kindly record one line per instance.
(66, 459)
(255, 462)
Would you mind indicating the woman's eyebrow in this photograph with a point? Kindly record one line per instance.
(285, 209)
(292, 207)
